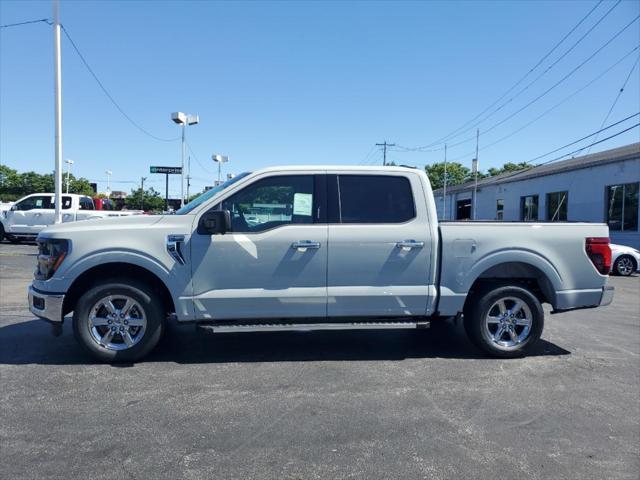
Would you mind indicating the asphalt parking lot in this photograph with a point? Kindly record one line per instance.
(362, 405)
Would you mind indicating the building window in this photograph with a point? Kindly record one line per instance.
(500, 209)
(622, 207)
(557, 206)
(529, 208)
(463, 209)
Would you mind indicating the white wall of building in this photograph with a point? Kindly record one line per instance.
(587, 195)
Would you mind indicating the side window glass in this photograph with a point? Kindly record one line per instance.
(66, 203)
(86, 204)
(272, 202)
(42, 202)
(375, 199)
(26, 204)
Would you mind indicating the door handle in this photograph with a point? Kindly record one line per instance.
(409, 244)
(304, 244)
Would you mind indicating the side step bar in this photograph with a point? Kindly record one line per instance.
(308, 327)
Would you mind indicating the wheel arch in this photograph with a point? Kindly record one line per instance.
(517, 273)
(625, 255)
(88, 278)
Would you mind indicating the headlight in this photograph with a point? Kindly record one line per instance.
(51, 253)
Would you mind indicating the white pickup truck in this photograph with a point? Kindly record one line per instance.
(29, 215)
(314, 248)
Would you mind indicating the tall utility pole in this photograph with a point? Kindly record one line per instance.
(475, 174)
(142, 179)
(384, 149)
(444, 190)
(57, 76)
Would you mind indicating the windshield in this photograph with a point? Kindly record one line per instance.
(209, 194)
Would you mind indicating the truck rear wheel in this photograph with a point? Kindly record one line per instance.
(119, 320)
(504, 321)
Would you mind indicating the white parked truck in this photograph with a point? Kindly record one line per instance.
(31, 214)
(314, 248)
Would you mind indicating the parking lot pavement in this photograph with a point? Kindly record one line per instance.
(366, 405)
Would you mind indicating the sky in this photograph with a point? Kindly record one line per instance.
(278, 83)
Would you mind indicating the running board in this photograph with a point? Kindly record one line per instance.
(308, 327)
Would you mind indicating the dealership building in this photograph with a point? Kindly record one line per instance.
(601, 187)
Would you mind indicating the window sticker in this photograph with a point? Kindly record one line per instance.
(302, 204)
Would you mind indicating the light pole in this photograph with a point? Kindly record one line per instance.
(219, 159)
(183, 119)
(57, 95)
(109, 173)
(69, 162)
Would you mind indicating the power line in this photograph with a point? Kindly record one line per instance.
(367, 155)
(549, 110)
(45, 20)
(591, 144)
(550, 66)
(585, 137)
(578, 67)
(633, 67)
(106, 92)
(197, 159)
(575, 151)
(449, 135)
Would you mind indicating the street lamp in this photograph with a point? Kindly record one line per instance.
(219, 159)
(183, 119)
(69, 162)
(109, 173)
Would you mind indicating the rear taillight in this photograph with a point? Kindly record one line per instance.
(599, 253)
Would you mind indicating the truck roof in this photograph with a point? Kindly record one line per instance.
(369, 168)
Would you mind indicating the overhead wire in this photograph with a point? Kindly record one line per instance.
(544, 57)
(615, 101)
(109, 96)
(550, 109)
(45, 20)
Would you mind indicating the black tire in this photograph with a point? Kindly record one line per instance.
(621, 268)
(146, 298)
(484, 302)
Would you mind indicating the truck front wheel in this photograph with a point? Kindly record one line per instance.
(119, 320)
(504, 321)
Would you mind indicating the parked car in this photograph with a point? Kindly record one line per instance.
(29, 215)
(624, 260)
(358, 248)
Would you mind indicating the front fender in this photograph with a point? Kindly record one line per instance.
(63, 279)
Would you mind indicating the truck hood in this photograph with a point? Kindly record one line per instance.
(109, 225)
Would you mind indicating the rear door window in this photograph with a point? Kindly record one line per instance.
(374, 199)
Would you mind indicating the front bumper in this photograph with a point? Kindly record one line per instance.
(47, 306)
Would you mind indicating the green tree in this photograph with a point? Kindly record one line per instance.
(456, 174)
(151, 200)
(509, 167)
(81, 186)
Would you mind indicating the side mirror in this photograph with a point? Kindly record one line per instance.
(215, 222)
(14, 208)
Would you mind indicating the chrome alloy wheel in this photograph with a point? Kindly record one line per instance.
(624, 266)
(508, 322)
(117, 322)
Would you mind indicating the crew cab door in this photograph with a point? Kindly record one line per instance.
(379, 245)
(27, 215)
(273, 264)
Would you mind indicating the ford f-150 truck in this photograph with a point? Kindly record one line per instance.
(31, 214)
(314, 248)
